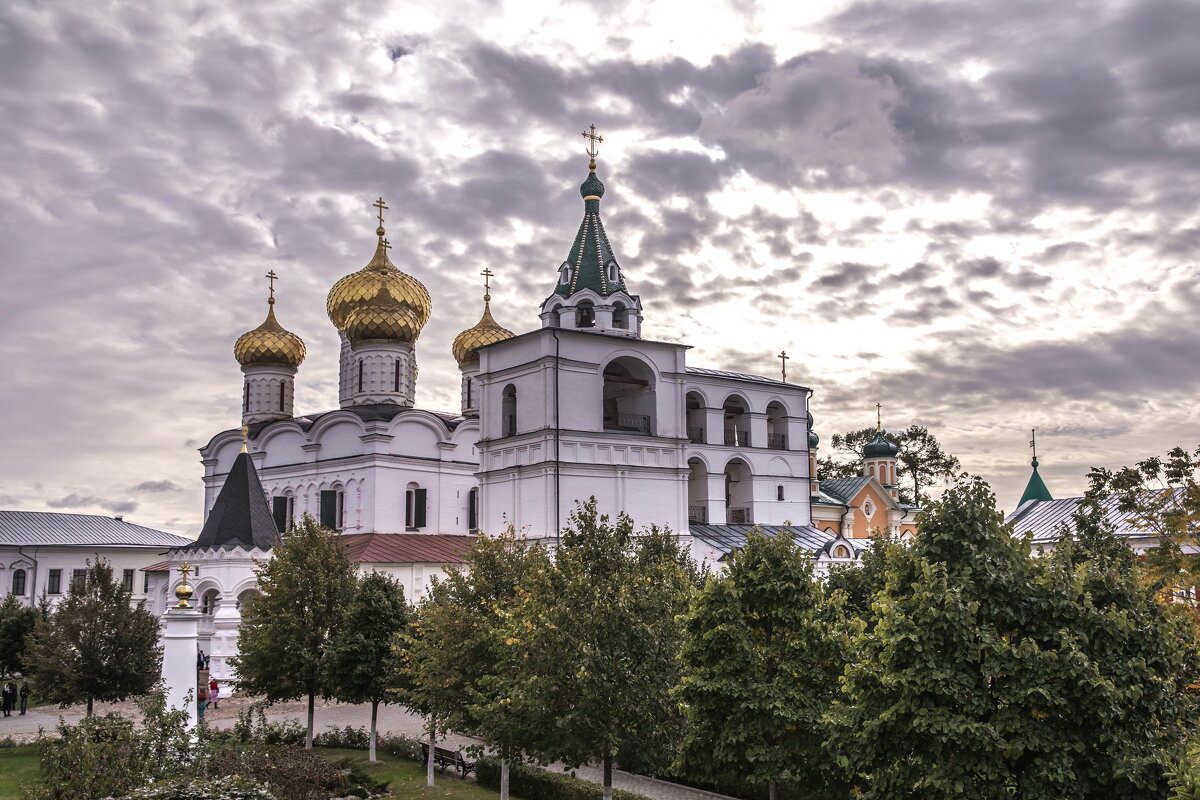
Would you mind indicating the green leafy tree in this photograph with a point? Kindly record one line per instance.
(994, 673)
(285, 632)
(920, 460)
(461, 665)
(97, 645)
(17, 621)
(601, 640)
(765, 646)
(859, 582)
(362, 657)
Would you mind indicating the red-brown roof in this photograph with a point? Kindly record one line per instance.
(408, 548)
(162, 566)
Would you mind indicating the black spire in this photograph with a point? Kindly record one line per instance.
(240, 517)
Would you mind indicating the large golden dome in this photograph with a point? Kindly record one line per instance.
(486, 331)
(269, 343)
(382, 318)
(379, 285)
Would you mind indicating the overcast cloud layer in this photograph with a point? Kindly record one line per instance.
(982, 215)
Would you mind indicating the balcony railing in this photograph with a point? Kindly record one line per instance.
(776, 441)
(629, 423)
(736, 438)
(739, 516)
(696, 435)
(698, 514)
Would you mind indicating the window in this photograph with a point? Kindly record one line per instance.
(868, 509)
(508, 411)
(332, 508)
(779, 492)
(360, 374)
(127, 579)
(18, 582)
(246, 397)
(78, 577)
(145, 583)
(469, 393)
(415, 501)
(396, 376)
(282, 510)
(54, 582)
(473, 510)
(841, 552)
(564, 273)
(282, 389)
(209, 602)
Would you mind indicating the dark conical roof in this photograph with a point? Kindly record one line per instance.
(1036, 488)
(880, 447)
(240, 517)
(591, 253)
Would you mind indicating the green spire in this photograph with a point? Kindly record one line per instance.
(591, 260)
(1036, 488)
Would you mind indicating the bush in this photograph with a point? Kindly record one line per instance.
(401, 747)
(288, 771)
(228, 788)
(533, 783)
(253, 727)
(347, 737)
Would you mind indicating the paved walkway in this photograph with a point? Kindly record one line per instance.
(392, 719)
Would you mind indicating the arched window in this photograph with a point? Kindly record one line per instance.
(282, 390)
(737, 421)
(470, 403)
(612, 272)
(629, 399)
(209, 602)
(586, 314)
(697, 421)
(620, 315)
(776, 426)
(841, 551)
(739, 493)
(18, 582)
(564, 273)
(415, 505)
(360, 374)
(246, 397)
(779, 492)
(396, 375)
(508, 411)
(555, 319)
(697, 491)
(473, 510)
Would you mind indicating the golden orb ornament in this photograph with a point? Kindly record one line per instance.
(484, 332)
(269, 343)
(184, 590)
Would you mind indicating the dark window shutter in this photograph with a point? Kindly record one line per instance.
(329, 509)
(419, 508)
(279, 507)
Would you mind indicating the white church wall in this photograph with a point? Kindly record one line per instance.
(38, 561)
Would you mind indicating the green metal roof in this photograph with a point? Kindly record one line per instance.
(591, 253)
(1036, 488)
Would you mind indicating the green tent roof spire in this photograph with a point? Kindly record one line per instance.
(591, 262)
(1036, 488)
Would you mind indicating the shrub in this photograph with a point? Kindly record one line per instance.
(253, 727)
(288, 771)
(533, 783)
(401, 747)
(227, 788)
(348, 737)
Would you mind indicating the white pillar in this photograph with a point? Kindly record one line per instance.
(179, 659)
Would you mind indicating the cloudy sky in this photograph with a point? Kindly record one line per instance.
(983, 215)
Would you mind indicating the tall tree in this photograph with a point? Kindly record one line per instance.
(97, 645)
(920, 462)
(861, 581)
(461, 664)
(765, 647)
(285, 631)
(17, 621)
(601, 639)
(363, 659)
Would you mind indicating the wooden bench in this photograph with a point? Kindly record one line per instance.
(448, 758)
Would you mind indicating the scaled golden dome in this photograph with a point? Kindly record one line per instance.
(269, 343)
(360, 289)
(382, 319)
(486, 331)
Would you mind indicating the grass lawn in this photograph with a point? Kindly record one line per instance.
(18, 766)
(408, 778)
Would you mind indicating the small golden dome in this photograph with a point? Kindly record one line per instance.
(380, 278)
(382, 319)
(269, 343)
(486, 331)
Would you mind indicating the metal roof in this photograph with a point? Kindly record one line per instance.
(79, 530)
(844, 489)
(1045, 518)
(408, 548)
(742, 376)
(728, 538)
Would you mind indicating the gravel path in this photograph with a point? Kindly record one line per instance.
(392, 719)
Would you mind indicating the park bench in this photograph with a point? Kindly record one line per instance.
(448, 758)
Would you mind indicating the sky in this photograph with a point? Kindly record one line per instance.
(982, 215)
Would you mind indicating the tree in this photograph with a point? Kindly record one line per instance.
(920, 460)
(96, 645)
(17, 621)
(362, 657)
(601, 639)
(285, 631)
(861, 581)
(765, 646)
(462, 668)
(995, 673)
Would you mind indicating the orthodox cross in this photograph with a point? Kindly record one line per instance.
(878, 416)
(783, 359)
(271, 278)
(387, 245)
(381, 206)
(1033, 442)
(595, 140)
(487, 286)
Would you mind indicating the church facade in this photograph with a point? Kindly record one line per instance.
(579, 406)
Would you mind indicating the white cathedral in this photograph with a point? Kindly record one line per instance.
(581, 406)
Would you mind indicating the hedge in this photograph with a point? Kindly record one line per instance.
(533, 783)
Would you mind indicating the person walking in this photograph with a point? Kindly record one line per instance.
(8, 698)
(201, 701)
(24, 694)
(214, 692)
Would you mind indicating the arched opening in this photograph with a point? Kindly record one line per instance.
(614, 272)
(564, 274)
(209, 602)
(737, 421)
(776, 426)
(508, 411)
(629, 400)
(841, 551)
(697, 491)
(246, 597)
(739, 493)
(416, 503)
(555, 319)
(620, 315)
(586, 311)
(473, 510)
(18, 582)
(694, 410)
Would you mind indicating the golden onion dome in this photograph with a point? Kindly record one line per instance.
(380, 279)
(382, 318)
(486, 331)
(269, 343)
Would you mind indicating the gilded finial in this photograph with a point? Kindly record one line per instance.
(184, 590)
(245, 438)
(878, 417)
(783, 359)
(1033, 444)
(382, 206)
(591, 149)
(271, 278)
(487, 285)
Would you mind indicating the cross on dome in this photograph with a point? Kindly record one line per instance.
(783, 359)
(595, 139)
(487, 286)
(382, 206)
(271, 278)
